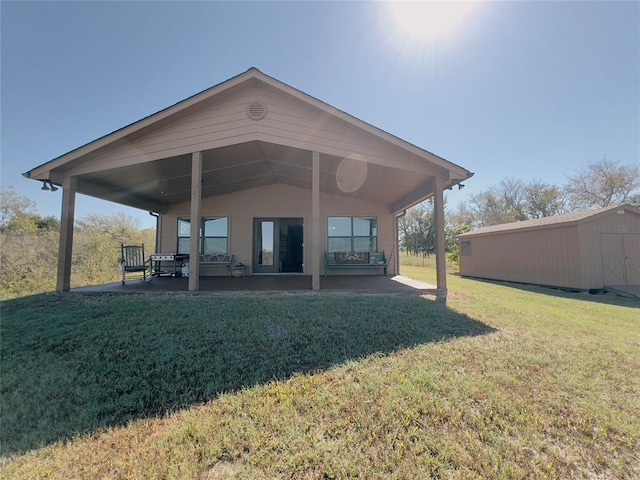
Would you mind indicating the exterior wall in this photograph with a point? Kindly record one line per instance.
(569, 256)
(288, 122)
(548, 256)
(627, 223)
(277, 201)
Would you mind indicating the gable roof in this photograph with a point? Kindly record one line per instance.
(549, 222)
(96, 182)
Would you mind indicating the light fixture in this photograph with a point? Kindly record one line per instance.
(460, 186)
(47, 185)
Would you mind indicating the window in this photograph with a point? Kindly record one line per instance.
(215, 239)
(352, 234)
(465, 248)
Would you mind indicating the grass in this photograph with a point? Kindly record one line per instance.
(501, 382)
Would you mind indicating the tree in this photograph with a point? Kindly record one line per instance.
(13, 206)
(417, 230)
(603, 184)
(96, 246)
(511, 200)
(453, 248)
(462, 215)
(29, 247)
(544, 200)
(503, 203)
(29, 252)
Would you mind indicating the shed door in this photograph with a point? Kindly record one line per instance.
(632, 257)
(620, 259)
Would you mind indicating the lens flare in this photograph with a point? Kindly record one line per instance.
(351, 173)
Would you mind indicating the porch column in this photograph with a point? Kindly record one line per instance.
(316, 241)
(196, 198)
(67, 218)
(441, 265)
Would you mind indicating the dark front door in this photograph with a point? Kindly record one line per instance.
(277, 245)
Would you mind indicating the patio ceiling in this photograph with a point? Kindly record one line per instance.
(158, 184)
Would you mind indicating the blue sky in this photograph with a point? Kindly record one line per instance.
(528, 90)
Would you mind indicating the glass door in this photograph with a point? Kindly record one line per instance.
(266, 245)
(278, 245)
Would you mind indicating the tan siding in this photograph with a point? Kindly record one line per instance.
(558, 255)
(547, 257)
(278, 201)
(613, 223)
(287, 122)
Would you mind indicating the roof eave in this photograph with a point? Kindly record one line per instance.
(456, 173)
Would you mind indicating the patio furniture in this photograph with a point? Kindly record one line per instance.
(237, 270)
(213, 260)
(162, 261)
(133, 262)
(357, 260)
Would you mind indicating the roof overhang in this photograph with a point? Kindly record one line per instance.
(120, 167)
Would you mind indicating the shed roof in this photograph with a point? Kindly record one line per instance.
(548, 222)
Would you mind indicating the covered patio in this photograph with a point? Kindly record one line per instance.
(266, 283)
(264, 172)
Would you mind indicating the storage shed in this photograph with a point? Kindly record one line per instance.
(583, 250)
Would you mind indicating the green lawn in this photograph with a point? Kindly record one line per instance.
(502, 381)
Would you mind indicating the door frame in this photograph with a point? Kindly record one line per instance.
(276, 268)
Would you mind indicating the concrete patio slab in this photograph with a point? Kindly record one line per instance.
(265, 283)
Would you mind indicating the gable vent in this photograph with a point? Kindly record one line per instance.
(256, 111)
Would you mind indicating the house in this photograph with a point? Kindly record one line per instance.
(585, 250)
(271, 175)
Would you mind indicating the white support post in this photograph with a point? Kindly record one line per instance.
(316, 241)
(441, 265)
(65, 249)
(196, 199)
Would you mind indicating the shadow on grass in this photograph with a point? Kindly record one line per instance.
(77, 363)
(602, 297)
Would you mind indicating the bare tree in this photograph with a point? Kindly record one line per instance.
(603, 184)
(512, 200)
(500, 204)
(544, 200)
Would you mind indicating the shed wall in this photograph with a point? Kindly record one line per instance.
(278, 201)
(626, 226)
(548, 256)
(570, 255)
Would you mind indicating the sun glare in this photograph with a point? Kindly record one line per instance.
(429, 20)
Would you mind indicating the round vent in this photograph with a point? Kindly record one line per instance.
(256, 111)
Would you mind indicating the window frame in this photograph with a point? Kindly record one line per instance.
(352, 237)
(203, 238)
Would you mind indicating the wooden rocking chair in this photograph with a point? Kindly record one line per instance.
(133, 262)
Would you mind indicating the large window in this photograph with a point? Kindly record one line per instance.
(214, 235)
(352, 234)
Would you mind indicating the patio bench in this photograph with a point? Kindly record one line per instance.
(356, 260)
(221, 260)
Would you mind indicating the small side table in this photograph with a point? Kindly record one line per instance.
(236, 268)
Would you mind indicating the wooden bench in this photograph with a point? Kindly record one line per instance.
(357, 260)
(222, 260)
(172, 263)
